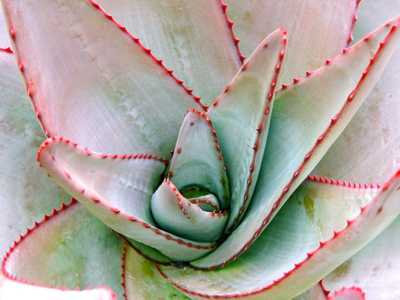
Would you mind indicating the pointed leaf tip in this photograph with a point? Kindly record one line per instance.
(307, 118)
(241, 117)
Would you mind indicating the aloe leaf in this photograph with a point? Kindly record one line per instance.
(10, 289)
(369, 147)
(193, 38)
(176, 214)
(68, 249)
(117, 189)
(241, 116)
(374, 269)
(306, 120)
(197, 160)
(26, 192)
(317, 240)
(317, 29)
(142, 281)
(112, 96)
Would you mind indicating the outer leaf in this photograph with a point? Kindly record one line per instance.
(117, 189)
(113, 95)
(197, 159)
(26, 194)
(10, 289)
(369, 148)
(306, 120)
(192, 37)
(176, 214)
(241, 116)
(314, 244)
(142, 280)
(375, 269)
(317, 29)
(68, 249)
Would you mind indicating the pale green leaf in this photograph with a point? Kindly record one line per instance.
(68, 250)
(241, 116)
(317, 29)
(178, 215)
(92, 82)
(192, 37)
(369, 149)
(117, 189)
(321, 226)
(375, 269)
(26, 193)
(197, 159)
(306, 120)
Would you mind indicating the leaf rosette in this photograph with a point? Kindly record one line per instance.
(212, 192)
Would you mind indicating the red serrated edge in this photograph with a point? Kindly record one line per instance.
(354, 19)
(123, 269)
(204, 117)
(324, 290)
(355, 290)
(231, 25)
(394, 24)
(101, 202)
(343, 183)
(319, 141)
(331, 295)
(185, 204)
(310, 73)
(296, 266)
(28, 233)
(260, 131)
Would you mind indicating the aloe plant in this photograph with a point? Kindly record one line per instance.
(199, 149)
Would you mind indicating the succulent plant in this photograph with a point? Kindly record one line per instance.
(191, 156)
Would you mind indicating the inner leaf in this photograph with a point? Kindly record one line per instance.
(197, 165)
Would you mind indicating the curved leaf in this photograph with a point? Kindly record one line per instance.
(192, 37)
(241, 116)
(369, 149)
(26, 193)
(317, 29)
(113, 95)
(197, 160)
(375, 269)
(68, 249)
(306, 120)
(317, 240)
(177, 214)
(117, 189)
